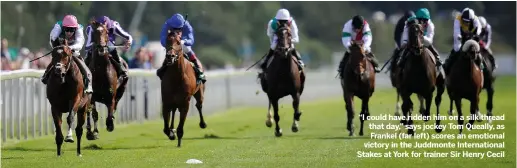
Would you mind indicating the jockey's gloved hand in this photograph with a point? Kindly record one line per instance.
(182, 42)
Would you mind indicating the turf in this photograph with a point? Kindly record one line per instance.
(239, 138)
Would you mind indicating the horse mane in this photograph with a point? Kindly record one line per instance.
(471, 44)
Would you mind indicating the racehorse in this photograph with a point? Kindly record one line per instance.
(65, 93)
(358, 79)
(465, 80)
(418, 75)
(107, 88)
(283, 78)
(178, 86)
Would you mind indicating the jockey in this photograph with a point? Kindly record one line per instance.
(71, 30)
(113, 29)
(465, 24)
(399, 29)
(187, 40)
(486, 39)
(357, 29)
(423, 17)
(282, 17)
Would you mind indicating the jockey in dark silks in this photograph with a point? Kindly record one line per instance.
(399, 29)
(114, 29)
(187, 41)
(486, 39)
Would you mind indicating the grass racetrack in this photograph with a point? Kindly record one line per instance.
(239, 138)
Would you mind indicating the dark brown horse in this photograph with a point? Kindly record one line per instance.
(418, 75)
(108, 88)
(358, 79)
(465, 80)
(178, 86)
(65, 93)
(283, 78)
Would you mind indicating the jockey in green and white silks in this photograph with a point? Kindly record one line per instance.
(282, 18)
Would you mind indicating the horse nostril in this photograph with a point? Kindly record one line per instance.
(63, 75)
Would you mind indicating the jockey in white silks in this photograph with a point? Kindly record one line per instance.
(282, 18)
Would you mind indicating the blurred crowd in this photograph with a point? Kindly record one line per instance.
(15, 59)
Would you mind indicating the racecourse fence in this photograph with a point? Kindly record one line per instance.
(25, 111)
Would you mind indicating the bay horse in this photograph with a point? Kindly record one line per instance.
(65, 93)
(465, 80)
(358, 79)
(178, 85)
(418, 75)
(283, 78)
(108, 87)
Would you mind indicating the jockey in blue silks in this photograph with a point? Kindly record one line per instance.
(177, 22)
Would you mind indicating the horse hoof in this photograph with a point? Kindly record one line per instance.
(361, 133)
(450, 112)
(411, 132)
(202, 125)
(438, 130)
(110, 128)
(172, 134)
(278, 133)
(95, 135)
(351, 133)
(89, 136)
(79, 155)
(294, 129)
(269, 123)
(69, 139)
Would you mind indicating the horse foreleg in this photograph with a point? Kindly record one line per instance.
(110, 123)
(81, 114)
(397, 105)
(407, 106)
(438, 101)
(269, 116)
(451, 110)
(489, 106)
(364, 114)
(166, 114)
(297, 113)
(278, 131)
(56, 115)
(183, 117)
(199, 96)
(457, 101)
(349, 101)
(95, 116)
(422, 106)
(70, 120)
(428, 103)
(172, 131)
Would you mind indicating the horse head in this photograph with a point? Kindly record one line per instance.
(173, 43)
(415, 38)
(61, 57)
(284, 43)
(99, 37)
(358, 58)
(471, 50)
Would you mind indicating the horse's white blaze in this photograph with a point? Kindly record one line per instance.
(59, 51)
(100, 28)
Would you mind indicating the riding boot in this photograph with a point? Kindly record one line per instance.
(44, 78)
(198, 66)
(491, 58)
(394, 58)
(436, 55)
(342, 62)
(450, 61)
(301, 65)
(118, 64)
(161, 70)
(86, 72)
(268, 56)
(374, 61)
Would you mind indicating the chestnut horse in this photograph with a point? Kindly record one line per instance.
(357, 79)
(178, 86)
(65, 93)
(465, 80)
